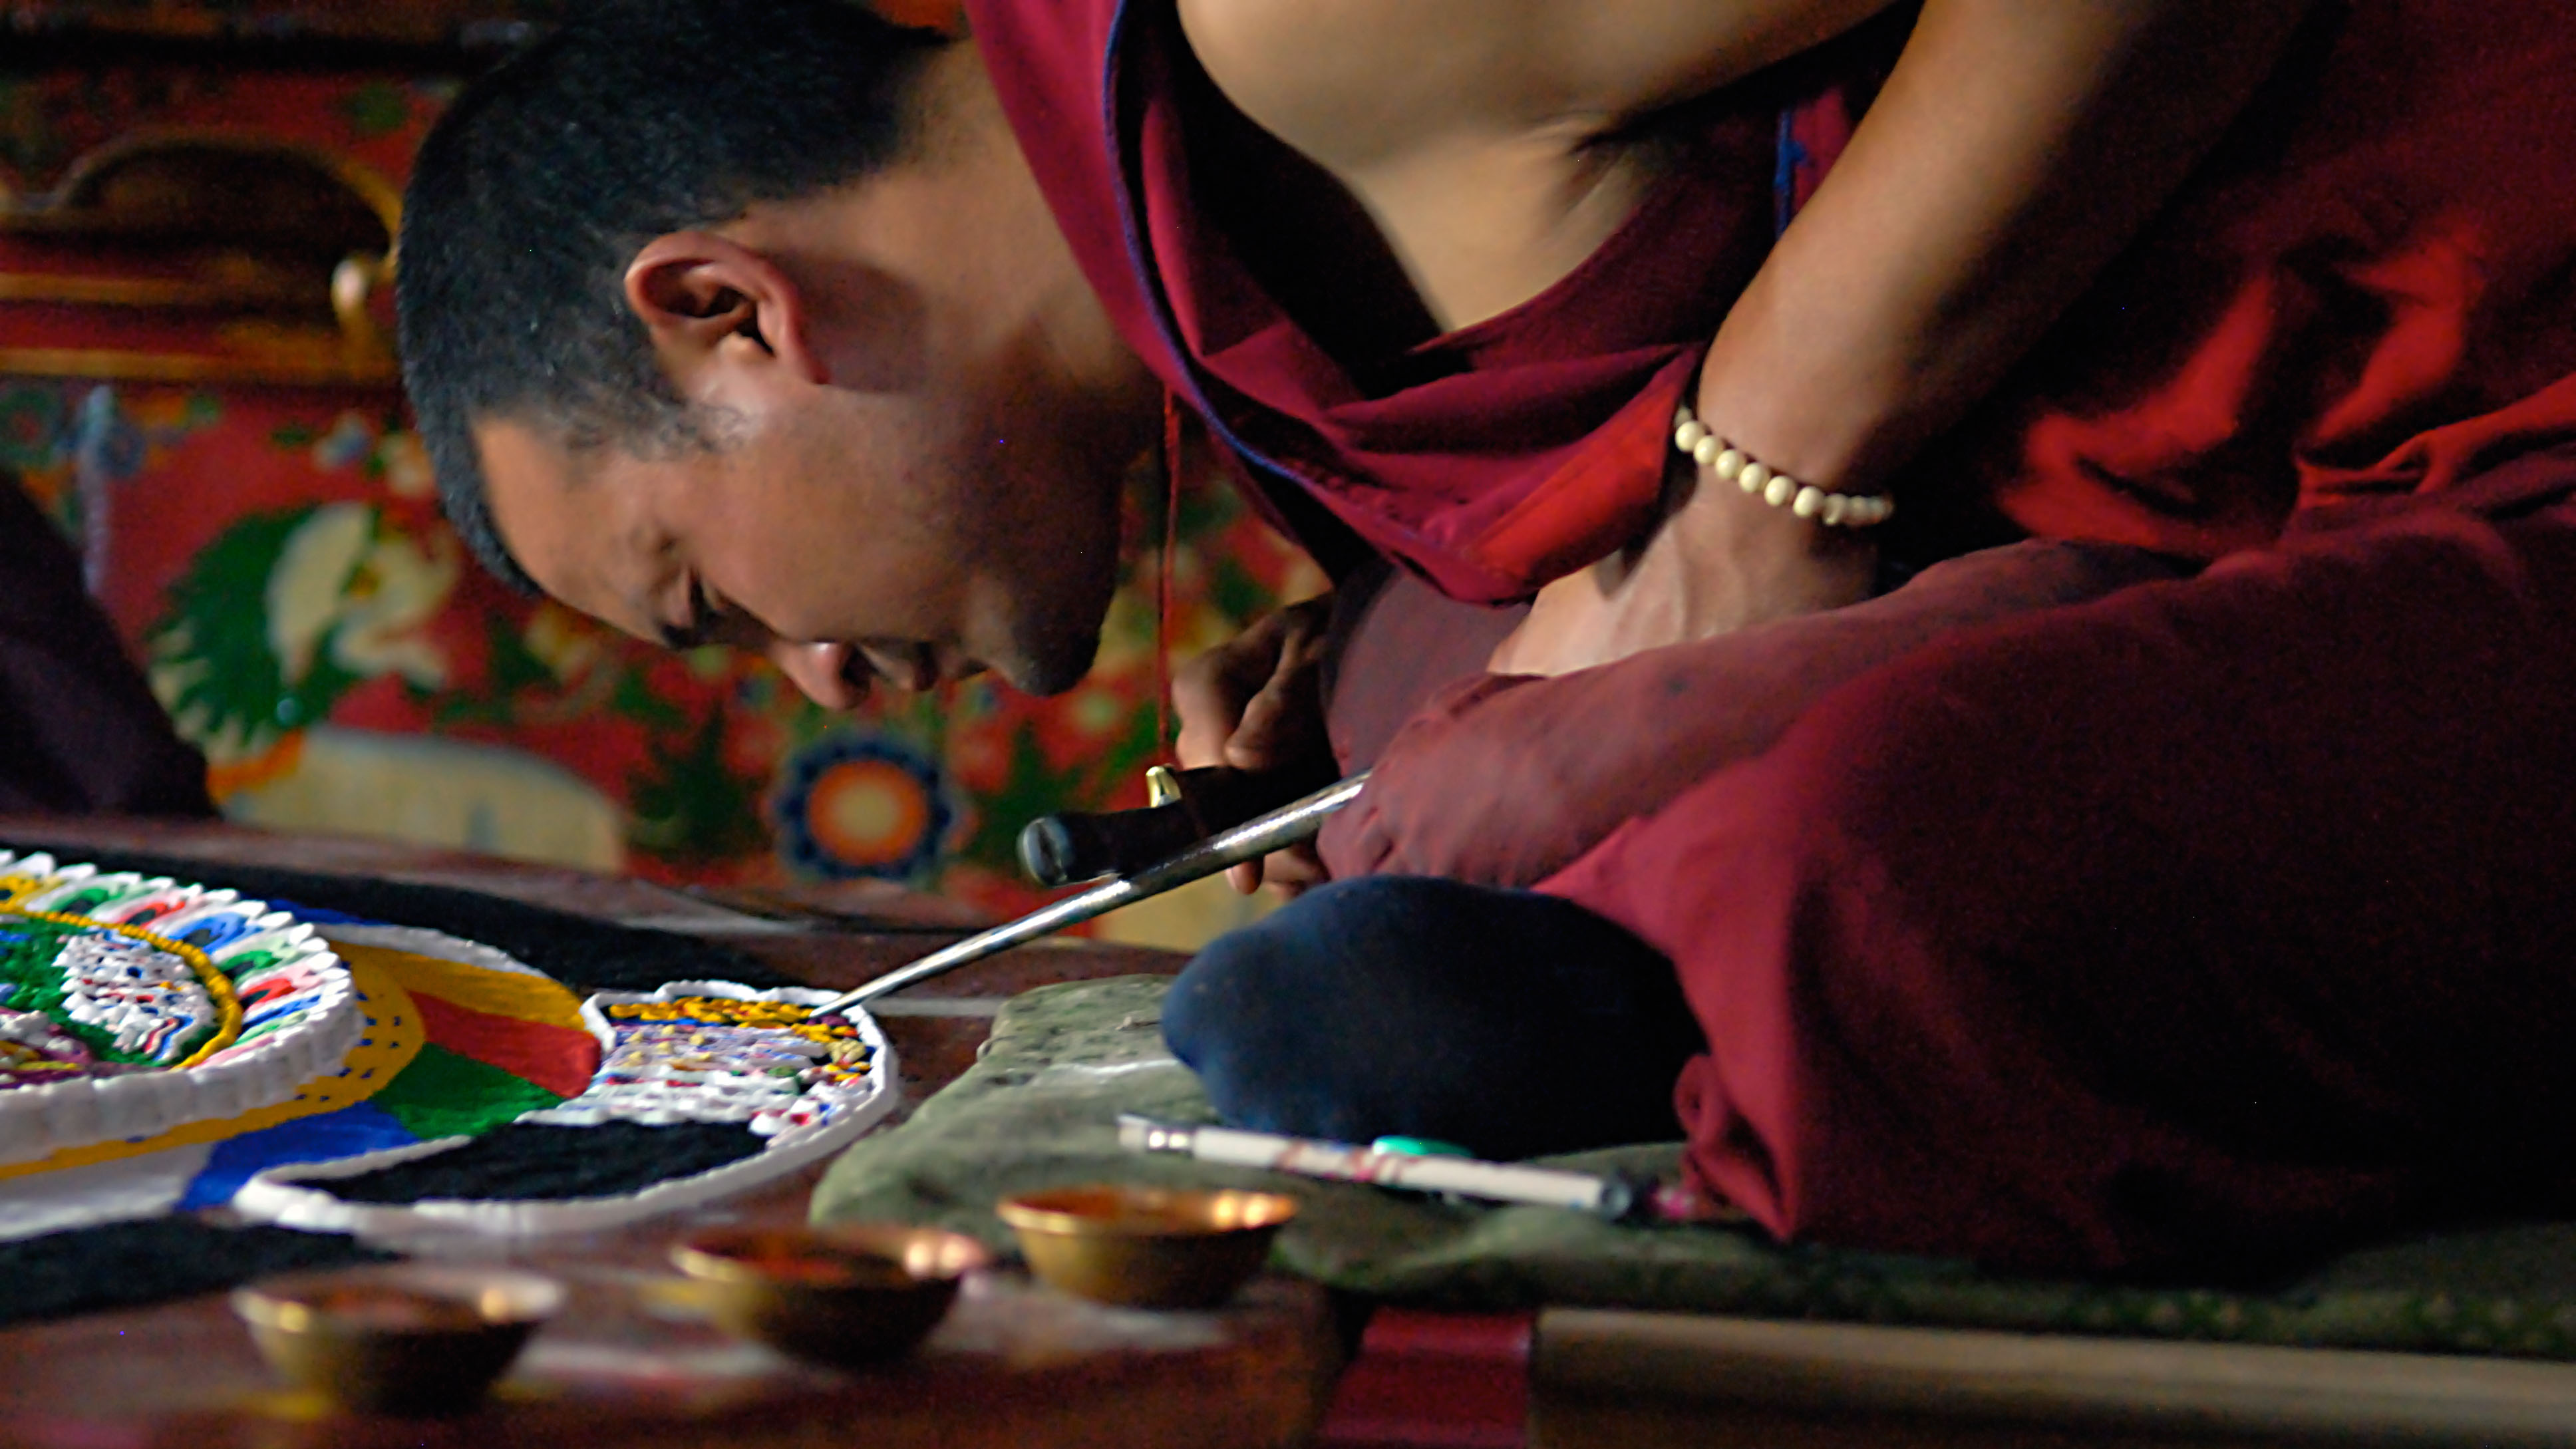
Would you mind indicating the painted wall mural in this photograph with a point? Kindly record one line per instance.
(277, 560)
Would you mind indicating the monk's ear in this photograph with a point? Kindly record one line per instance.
(718, 312)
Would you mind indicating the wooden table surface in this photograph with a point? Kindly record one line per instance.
(629, 1361)
(1018, 1365)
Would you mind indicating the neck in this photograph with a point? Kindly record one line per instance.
(1016, 264)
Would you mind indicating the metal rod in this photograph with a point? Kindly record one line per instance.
(1253, 839)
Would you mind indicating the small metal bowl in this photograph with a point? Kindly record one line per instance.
(400, 1338)
(845, 1295)
(1146, 1247)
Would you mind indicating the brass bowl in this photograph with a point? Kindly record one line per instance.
(845, 1295)
(1146, 1247)
(399, 1338)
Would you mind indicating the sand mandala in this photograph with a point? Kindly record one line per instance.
(702, 1053)
(167, 1046)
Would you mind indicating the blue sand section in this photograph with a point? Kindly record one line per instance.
(347, 1132)
(214, 935)
(318, 915)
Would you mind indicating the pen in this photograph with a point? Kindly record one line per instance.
(1612, 1197)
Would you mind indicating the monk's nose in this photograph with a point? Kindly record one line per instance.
(822, 671)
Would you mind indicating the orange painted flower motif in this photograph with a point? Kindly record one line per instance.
(854, 804)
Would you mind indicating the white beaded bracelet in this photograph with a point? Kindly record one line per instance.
(1708, 450)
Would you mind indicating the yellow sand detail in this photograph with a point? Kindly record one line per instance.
(476, 988)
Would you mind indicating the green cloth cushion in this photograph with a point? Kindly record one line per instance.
(1040, 1110)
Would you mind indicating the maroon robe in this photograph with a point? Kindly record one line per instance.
(2072, 906)
(79, 730)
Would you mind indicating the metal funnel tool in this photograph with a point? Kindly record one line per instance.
(1251, 840)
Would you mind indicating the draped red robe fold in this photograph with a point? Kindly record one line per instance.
(2073, 906)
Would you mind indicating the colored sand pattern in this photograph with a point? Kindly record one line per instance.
(721, 1059)
(123, 1000)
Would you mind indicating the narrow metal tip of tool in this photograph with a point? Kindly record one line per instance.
(1251, 840)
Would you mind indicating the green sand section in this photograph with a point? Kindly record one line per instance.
(27, 951)
(1040, 1110)
(443, 1094)
(82, 902)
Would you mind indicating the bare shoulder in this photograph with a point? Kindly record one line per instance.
(1355, 83)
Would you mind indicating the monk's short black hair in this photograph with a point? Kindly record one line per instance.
(545, 178)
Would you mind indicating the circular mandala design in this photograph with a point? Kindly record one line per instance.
(853, 805)
(132, 1005)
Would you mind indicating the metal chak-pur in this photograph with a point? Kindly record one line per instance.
(1251, 840)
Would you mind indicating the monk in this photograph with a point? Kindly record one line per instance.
(2184, 885)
